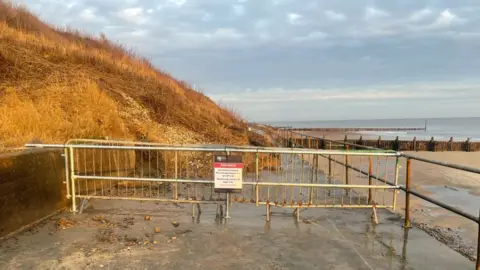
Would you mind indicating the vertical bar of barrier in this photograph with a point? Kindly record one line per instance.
(397, 165)
(72, 178)
(268, 211)
(347, 160)
(256, 178)
(227, 212)
(175, 196)
(407, 194)
(67, 174)
(329, 173)
(370, 172)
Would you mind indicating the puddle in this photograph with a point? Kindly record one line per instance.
(455, 196)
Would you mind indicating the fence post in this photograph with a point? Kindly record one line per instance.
(379, 142)
(467, 145)
(450, 144)
(370, 172)
(414, 143)
(396, 145)
(407, 194)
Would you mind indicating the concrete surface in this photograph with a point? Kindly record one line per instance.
(115, 235)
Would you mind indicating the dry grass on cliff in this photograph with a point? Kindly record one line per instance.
(61, 84)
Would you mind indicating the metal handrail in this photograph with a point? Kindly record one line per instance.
(408, 190)
(204, 148)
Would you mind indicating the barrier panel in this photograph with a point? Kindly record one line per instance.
(279, 177)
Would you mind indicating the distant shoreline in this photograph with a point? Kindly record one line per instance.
(367, 135)
(441, 129)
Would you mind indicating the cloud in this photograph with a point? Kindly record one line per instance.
(420, 15)
(135, 15)
(372, 13)
(206, 17)
(321, 49)
(294, 18)
(313, 36)
(386, 92)
(90, 14)
(178, 2)
(447, 18)
(334, 16)
(239, 10)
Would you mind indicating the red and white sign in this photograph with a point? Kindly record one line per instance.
(228, 173)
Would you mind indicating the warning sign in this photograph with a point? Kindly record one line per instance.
(228, 173)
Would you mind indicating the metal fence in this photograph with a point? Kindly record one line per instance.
(294, 140)
(274, 177)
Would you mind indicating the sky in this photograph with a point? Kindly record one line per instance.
(290, 60)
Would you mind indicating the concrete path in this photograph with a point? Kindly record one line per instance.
(116, 235)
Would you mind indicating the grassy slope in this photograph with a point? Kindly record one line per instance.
(60, 84)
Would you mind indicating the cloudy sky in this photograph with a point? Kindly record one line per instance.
(302, 59)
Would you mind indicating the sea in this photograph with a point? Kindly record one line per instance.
(439, 128)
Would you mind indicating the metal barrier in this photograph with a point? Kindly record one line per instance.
(290, 139)
(288, 178)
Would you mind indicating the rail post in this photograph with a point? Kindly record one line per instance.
(347, 160)
(175, 195)
(329, 172)
(408, 179)
(370, 172)
(227, 206)
(67, 173)
(72, 179)
(395, 191)
(256, 178)
(267, 205)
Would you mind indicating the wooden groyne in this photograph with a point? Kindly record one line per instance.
(343, 130)
(397, 145)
